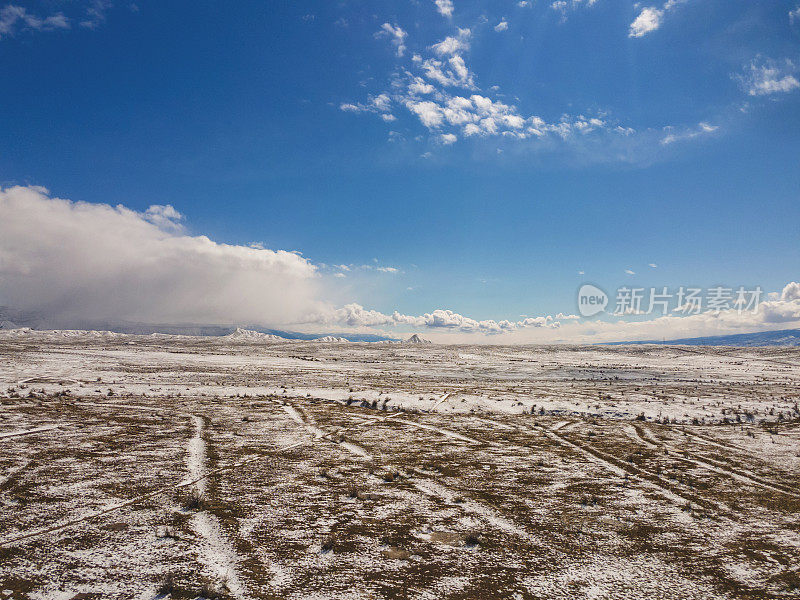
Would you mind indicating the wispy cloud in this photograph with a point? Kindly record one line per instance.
(762, 77)
(15, 18)
(675, 135)
(564, 6)
(397, 36)
(95, 14)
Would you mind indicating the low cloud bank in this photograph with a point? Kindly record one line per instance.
(356, 316)
(75, 260)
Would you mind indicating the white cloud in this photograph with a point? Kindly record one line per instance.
(763, 77)
(429, 113)
(453, 44)
(445, 7)
(356, 316)
(523, 3)
(15, 18)
(397, 36)
(501, 26)
(95, 14)
(648, 20)
(441, 91)
(791, 292)
(674, 135)
(452, 73)
(629, 272)
(419, 86)
(381, 103)
(794, 14)
(164, 217)
(73, 260)
(448, 138)
(652, 265)
(563, 6)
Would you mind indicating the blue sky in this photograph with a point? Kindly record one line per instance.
(469, 156)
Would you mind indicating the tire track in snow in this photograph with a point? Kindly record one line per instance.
(215, 551)
(645, 477)
(487, 514)
(444, 432)
(12, 472)
(120, 505)
(741, 475)
(320, 434)
(637, 435)
(42, 429)
(431, 488)
(559, 425)
(438, 402)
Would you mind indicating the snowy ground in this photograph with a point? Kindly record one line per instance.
(158, 466)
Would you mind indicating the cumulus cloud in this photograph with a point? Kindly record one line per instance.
(650, 18)
(501, 26)
(453, 44)
(450, 73)
(445, 7)
(791, 292)
(396, 35)
(763, 77)
(73, 260)
(165, 217)
(356, 316)
(441, 91)
(794, 14)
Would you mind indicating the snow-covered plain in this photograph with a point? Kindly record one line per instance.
(251, 467)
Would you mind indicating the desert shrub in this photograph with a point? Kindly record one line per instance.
(328, 545)
(194, 501)
(472, 540)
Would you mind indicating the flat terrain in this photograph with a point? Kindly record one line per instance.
(157, 466)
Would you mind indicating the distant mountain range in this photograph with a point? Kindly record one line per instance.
(10, 319)
(784, 337)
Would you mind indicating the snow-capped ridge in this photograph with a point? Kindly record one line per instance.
(248, 335)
